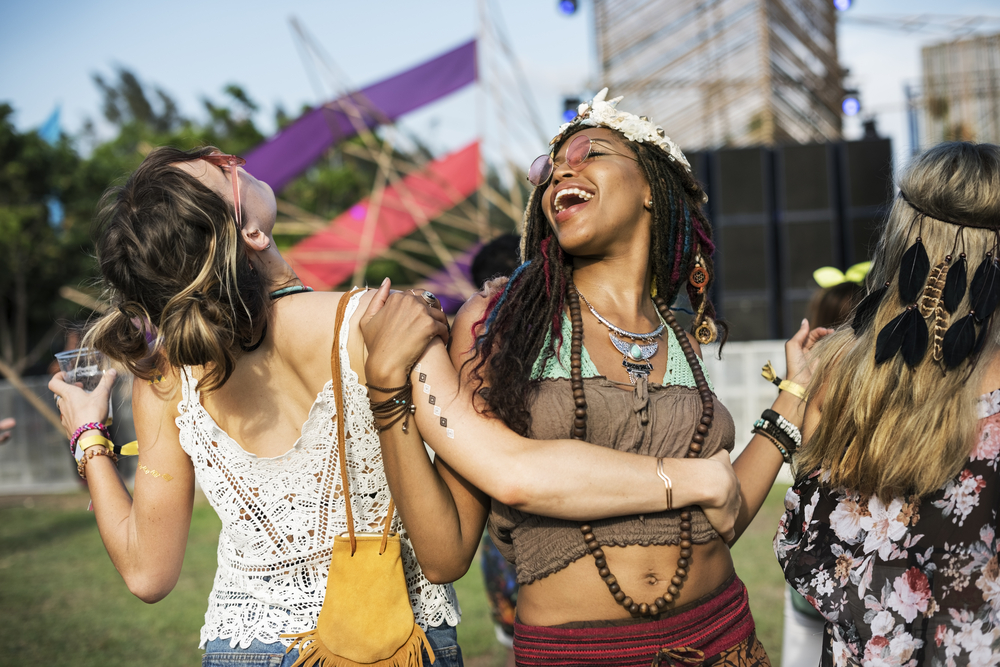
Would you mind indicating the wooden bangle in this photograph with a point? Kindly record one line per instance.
(81, 465)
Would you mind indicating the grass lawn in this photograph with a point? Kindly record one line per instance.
(63, 602)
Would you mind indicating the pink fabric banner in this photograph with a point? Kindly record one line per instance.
(329, 257)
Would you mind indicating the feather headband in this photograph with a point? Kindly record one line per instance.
(935, 293)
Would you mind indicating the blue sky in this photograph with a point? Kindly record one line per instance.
(50, 48)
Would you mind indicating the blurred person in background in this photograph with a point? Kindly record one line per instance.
(890, 530)
(839, 292)
(6, 426)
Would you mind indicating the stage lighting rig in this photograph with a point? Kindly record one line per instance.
(568, 7)
(851, 103)
(570, 105)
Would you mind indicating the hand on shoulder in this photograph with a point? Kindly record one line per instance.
(397, 328)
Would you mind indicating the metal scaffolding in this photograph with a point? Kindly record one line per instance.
(961, 91)
(725, 72)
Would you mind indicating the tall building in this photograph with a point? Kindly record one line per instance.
(961, 81)
(725, 72)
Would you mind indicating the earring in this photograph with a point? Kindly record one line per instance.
(703, 327)
(706, 332)
(649, 204)
(698, 278)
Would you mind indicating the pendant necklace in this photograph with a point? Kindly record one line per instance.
(637, 351)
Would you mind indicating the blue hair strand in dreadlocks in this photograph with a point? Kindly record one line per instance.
(503, 297)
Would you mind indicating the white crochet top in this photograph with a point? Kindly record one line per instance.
(279, 515)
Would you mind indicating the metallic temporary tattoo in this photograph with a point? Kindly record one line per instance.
(164, 475)
(432, 400)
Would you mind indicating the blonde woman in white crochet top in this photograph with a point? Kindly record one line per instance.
(233, 389)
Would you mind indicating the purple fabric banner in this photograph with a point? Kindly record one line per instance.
(290, 152)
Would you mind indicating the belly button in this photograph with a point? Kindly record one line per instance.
(651, 580)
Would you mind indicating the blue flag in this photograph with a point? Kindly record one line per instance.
(50, 130)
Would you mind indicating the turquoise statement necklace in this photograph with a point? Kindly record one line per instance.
(637, 351)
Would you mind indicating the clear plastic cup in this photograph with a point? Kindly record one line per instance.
(83, 365)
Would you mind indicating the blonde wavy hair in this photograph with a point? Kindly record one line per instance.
(177, 274)
(888, 429)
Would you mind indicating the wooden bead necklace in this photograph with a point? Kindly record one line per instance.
(579, 432)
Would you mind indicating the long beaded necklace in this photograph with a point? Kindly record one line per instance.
(635, 354)
(579, 432)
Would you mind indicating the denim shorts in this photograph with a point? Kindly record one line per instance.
(443, 639)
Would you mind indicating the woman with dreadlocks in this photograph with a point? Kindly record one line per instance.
(581, 343)
(891, 527)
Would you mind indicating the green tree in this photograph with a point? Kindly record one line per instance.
(38, 257)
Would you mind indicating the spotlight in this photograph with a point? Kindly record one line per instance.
(568, 7)
(570, 105)
(850, 105)
(842, 5)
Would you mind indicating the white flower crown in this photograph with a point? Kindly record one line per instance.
(601, 113)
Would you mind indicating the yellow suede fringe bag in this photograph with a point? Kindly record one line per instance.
(366, 618)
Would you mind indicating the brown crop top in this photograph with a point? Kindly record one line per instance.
(657, 421)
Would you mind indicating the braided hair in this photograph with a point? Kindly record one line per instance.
(177, 274)
(530, 307)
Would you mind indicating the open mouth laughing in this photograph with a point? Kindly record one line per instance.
(569, 197)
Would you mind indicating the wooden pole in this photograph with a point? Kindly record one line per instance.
(43, 408)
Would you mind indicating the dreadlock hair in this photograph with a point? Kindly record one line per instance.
(177, 274)
(530, 307)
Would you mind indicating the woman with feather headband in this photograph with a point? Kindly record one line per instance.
(581, 343)
(890, 529)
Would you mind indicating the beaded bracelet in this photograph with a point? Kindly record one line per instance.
(790, 429)
(399, 405)
(81, 465)
(784, 452)
(777, 432)
(786, 445)
(92, 426)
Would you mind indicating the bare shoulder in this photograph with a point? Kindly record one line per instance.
(165, 389)
(466, 325)
(694, 344)
(473, 310)
(303, 329)
(155, 404)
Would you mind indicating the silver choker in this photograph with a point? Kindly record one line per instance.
(621, 332)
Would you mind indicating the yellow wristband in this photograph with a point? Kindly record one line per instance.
(93, 441)
(793, 389)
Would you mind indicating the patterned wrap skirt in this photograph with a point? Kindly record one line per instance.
(717, 629)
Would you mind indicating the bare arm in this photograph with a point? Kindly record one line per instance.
(566, 479)
(758, 464)
(145, 535)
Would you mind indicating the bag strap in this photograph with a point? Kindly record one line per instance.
(338, 393)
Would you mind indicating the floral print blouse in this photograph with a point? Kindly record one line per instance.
(914, 582)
